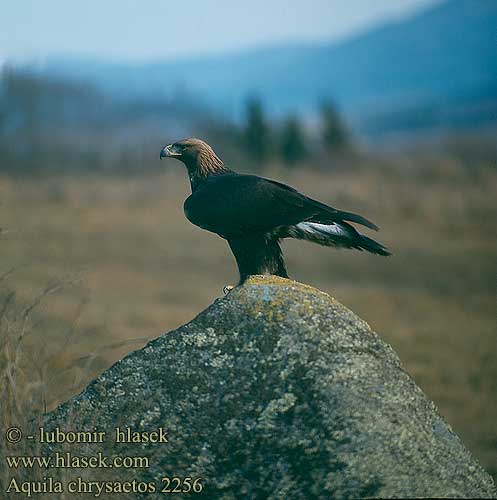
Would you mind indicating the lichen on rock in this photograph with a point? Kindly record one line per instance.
(279, 391)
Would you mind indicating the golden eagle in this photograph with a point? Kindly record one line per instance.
(253, 214)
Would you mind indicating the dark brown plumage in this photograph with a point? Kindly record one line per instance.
(253, 214)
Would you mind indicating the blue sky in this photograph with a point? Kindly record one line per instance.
(165, 29)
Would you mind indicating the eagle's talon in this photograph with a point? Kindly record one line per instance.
(227, 289)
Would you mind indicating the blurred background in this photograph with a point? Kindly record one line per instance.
(386, 108)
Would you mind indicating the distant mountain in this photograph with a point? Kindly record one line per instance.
(436, 69)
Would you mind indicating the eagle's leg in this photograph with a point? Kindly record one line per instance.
(258, 253)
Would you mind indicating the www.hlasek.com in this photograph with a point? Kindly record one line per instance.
(49, 485)
(69, 461)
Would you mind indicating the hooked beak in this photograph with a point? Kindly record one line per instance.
(168, 151)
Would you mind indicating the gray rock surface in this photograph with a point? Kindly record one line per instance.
(276, 391)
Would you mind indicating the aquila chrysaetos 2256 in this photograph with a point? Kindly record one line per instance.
(253, 214)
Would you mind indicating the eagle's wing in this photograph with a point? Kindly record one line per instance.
(234, 204)
(324, 214)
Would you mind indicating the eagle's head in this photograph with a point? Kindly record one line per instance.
(197, 155)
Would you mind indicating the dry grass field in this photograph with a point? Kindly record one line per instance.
(108, 262)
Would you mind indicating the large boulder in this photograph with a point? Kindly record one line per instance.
(275, 391)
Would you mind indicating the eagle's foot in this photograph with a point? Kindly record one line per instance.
(227, 289)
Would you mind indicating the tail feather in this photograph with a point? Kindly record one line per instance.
(341, 235)
(372, 246)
